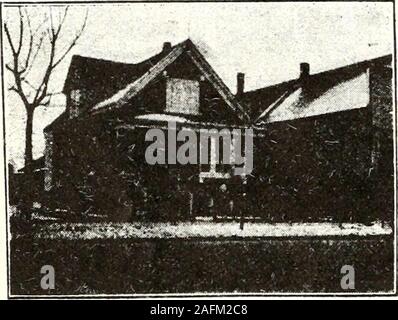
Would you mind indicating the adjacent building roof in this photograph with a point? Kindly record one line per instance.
(335, 90)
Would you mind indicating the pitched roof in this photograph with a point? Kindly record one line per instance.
(299, 98)
(122, 97)
(57, 121)
(36, 164)
(107, 77)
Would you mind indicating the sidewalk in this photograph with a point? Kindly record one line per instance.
(207, 229)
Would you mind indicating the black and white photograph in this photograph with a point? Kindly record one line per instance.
(199, 149)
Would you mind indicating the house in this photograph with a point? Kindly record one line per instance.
(323, 143)
(326, 145)
(95, 151)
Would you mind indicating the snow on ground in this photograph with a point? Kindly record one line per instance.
(206, 229)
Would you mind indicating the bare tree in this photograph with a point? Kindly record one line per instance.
(26, 45)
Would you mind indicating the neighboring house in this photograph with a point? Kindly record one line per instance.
(326, 145)
(323, 143)
(19, 184)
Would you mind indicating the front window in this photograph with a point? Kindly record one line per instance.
(75, 102)
(215, 156)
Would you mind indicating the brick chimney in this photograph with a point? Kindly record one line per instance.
(304, 70)
(305, 88)
(240, 83)
(166, 47)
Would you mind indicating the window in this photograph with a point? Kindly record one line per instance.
(214, 161)
(75, 101)
(48, 155)
(182, 96)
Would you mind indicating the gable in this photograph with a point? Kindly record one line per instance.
(212, 105)
(124, 96)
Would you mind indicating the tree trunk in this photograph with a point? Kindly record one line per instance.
(28, 139)
(28, 188)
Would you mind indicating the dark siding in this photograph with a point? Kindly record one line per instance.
(383, 142)
(314, 168)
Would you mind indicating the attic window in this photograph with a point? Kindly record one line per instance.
(182, 96)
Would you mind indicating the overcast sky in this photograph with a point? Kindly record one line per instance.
(266, 41)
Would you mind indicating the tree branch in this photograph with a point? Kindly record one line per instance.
(31, 39)
(29, 84)
(20, 69)
(61, 23)
(21, 31)
(12, 88)
(29, 65)
(9, 68)
(74, 41)
(9, 39)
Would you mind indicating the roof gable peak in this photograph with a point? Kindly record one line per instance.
(131, 90)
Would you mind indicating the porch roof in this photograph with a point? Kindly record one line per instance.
(162, 121)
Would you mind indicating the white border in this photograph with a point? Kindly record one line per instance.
(4, 259)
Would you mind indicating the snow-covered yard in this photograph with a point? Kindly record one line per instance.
(206, 229)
